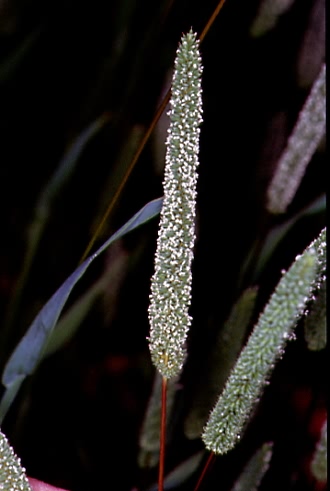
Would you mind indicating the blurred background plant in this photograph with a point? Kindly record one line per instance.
(79, 85)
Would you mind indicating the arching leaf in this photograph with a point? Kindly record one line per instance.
(28, 352)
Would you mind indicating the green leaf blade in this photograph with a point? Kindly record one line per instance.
(28, 352)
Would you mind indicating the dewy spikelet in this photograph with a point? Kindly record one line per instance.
(12, 474)
(256, 362)
(171, 283)
(221, 359)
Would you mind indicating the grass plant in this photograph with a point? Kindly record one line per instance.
(192, 359)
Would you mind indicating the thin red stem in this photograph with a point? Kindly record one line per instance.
(207, 467)
(162, 437)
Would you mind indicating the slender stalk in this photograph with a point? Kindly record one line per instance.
(211, 20)
(162, 437)
(142, 144)
(127, 174)
(207, 467)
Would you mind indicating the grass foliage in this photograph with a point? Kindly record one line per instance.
(84, 92)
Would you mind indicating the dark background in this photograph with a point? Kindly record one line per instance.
(63, 64)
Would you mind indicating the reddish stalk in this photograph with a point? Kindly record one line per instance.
(206, 468)
(162, 437)
(127, 174)
(142, 145)
(211, 20)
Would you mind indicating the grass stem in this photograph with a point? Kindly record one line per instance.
(162, 437)
(211, 20)
(207, 466)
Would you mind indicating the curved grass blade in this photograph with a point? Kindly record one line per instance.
(255, 469)
(42, 211)
(71, 321)
(73, 318)
(257, 261)
(28, 352)
(9, 396)
(277, 234)
(10, 65)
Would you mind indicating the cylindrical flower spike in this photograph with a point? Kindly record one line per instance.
(12, 474)
(171, 283)
(219, 363)
(303, 142)
(265, 345)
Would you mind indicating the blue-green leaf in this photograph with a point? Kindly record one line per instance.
(28, 352)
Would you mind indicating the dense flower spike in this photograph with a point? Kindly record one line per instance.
(219, 363)
(304, 140)
(171, 283)
(320, 245)
(12, 474)
(265, 345)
